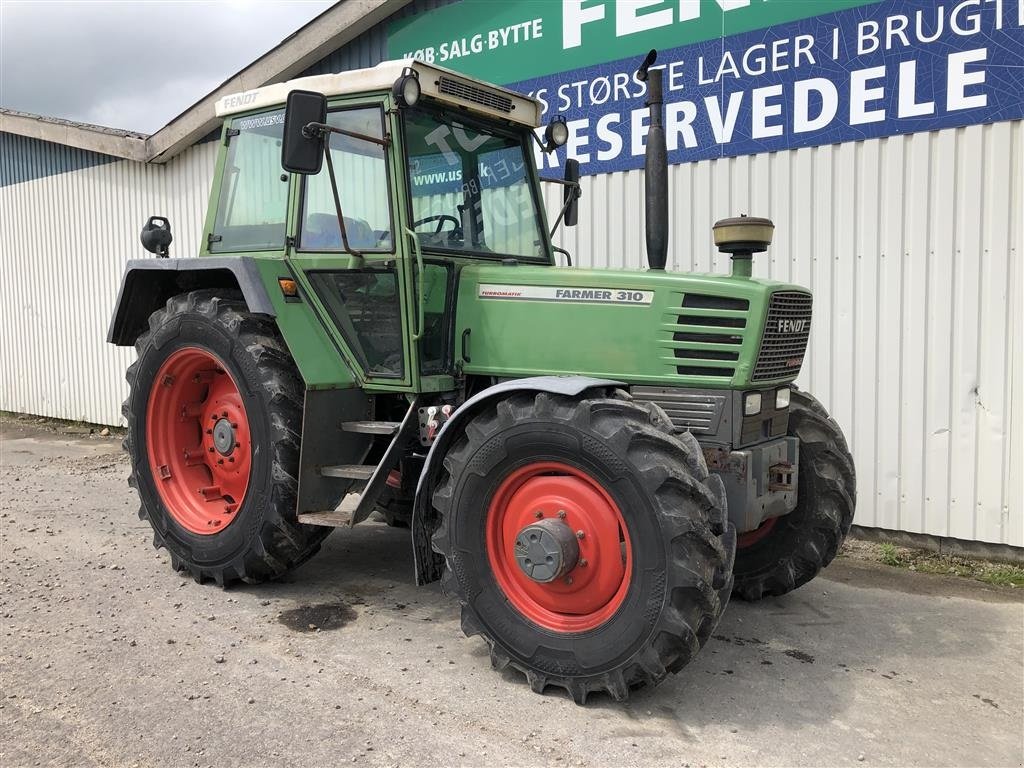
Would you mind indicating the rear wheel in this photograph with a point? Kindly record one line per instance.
(214, 419)
(788, 551)
(587, 544)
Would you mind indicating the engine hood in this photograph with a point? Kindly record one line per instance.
(643, 327)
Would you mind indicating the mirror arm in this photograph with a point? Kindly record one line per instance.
(323, 129)
(577, 193)
(337, 202)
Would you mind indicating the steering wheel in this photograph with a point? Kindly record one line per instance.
(440, 218)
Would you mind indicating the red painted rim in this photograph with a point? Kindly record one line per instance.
(590, 593)
(750, 538)
(201, 481)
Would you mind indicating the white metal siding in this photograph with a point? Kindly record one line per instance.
(911, 245)
(64, 241)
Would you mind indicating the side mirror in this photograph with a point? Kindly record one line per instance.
(156, 235)
(571, 193)
(302, 150)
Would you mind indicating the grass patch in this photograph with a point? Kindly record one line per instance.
(1004, 576)
(923, 561)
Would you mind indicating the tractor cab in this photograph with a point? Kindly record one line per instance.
(395, 177)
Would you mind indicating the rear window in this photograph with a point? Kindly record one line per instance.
(252, 201)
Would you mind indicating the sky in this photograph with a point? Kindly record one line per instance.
(133, 65)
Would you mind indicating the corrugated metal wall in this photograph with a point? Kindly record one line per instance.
(64, 240)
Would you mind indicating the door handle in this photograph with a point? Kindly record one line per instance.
(418, 332)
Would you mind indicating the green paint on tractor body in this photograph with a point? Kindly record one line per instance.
(627, 325)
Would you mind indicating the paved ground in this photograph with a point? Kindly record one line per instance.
(109, 658)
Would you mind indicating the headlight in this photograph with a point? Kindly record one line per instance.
(782, 398)
(556, 134)
(406, 89)
(752, 404)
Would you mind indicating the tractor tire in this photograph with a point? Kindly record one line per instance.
(653, 572)
(788, 551)
(214, 421)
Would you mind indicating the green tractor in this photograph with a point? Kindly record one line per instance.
(591, 461)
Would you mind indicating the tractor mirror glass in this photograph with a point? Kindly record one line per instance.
(302, 150)
(571, 194)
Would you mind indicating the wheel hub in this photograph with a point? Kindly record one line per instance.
(546, 550)
(224, 437)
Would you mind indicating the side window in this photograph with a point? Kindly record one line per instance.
(435, 346)
(252, 201)
(361, 173)
(364, 305)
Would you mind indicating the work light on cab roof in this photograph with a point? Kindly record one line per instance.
(593, 461)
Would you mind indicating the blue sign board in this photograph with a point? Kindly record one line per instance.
(893, 67)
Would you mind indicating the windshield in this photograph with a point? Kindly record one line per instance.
(471, 189)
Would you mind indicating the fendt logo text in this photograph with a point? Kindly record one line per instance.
(792, 326)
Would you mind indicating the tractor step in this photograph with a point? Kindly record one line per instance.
(336, 519)
(349, 471)
(371, 427)
(356, 507)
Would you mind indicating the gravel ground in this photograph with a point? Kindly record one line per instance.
(109, 658)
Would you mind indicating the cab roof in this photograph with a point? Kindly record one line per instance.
(435, 82)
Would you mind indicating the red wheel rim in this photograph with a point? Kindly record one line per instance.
(589, 594)
(750, 538)
(197, 439)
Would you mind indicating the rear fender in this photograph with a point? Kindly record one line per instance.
(430, 565)
(148, 283)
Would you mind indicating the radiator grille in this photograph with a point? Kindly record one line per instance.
(469, 92)
(710, 335)
(786, 331)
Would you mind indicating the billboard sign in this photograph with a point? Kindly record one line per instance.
(741, 76)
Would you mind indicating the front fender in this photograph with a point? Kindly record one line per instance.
(430, 565)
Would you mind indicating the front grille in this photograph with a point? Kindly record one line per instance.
(469, 92)
(786, 331)
(710, 334)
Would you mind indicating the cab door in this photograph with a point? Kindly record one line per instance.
(365, 293)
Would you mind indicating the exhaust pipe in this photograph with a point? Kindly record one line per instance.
(655, 167)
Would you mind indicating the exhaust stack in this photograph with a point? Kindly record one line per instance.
(655, 167)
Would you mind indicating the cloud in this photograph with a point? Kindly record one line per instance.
(132, 65)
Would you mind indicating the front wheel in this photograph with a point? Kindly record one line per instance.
(788, 551)
(587, 544)
(214, 420)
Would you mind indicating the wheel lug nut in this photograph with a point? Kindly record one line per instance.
(580, 534)
(209, 431)
(568, 579)
(538, 514)
(582, 563)
(220, 461)
(211, 450)
(561, 514)
(231, 459)
(234, 426)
